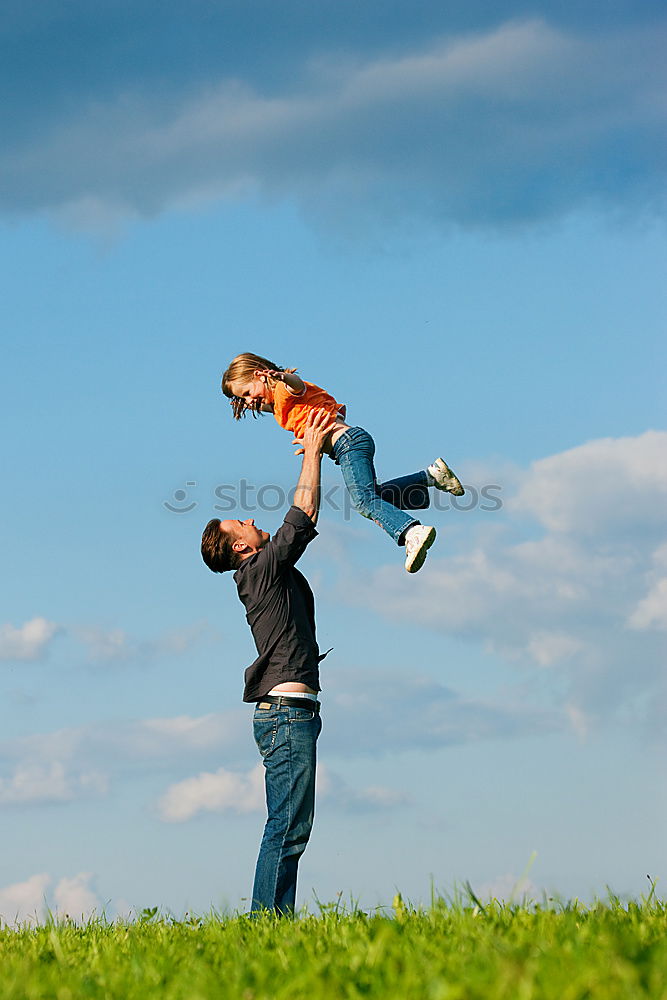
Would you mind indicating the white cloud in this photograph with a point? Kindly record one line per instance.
(47, 767)
(74, 898)
(651, 611)
(220, 791)
(578, 721)
(563, 600)
(241, 793)
(24, 901)
(194, 732)
(27, 642)
(422, 713)
(165, 738)
(147, 738)
(470, 127)
(335, 790)
(604, 485)
(547, 648)
(115, 645)
(32, 640)
(35, 782)
(28, 902)
(106, 645)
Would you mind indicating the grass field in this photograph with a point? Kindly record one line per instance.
(451, 950)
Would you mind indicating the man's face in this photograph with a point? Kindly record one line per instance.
(246, 532)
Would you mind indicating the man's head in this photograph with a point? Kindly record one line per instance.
(225, 544)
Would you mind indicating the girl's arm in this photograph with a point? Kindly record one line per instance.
(294, 384)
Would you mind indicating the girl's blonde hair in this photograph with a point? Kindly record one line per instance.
(243, 368)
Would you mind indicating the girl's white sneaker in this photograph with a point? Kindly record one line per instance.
(418, 539)
(443, 478)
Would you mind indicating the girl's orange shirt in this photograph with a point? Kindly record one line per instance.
(291, 411)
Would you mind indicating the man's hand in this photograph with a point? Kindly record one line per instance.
(319, 425)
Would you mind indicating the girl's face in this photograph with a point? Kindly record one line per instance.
(253, 392)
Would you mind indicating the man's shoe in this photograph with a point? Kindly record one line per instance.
(418, 539)
(444, 479)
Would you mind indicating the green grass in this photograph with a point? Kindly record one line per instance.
(452, 950)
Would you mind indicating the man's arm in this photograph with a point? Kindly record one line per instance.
(307, 493)
(298, 529)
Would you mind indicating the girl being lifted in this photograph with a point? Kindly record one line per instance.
(254, 384)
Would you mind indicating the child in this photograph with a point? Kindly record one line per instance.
(254, 384)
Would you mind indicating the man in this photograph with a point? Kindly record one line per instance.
(284, 679)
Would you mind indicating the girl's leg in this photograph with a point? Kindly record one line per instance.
(354, 452)
(407, 492)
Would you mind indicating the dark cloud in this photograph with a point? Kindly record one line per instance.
(480, 113)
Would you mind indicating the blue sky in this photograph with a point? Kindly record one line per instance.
(454, 220)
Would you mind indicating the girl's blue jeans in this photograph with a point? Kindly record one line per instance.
(384, 503)
(286, 738)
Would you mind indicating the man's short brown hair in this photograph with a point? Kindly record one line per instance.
(216, 548)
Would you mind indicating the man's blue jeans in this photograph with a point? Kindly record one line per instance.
(384, 503)
(286, 739)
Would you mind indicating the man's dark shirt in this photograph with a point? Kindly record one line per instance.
(280, 610)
